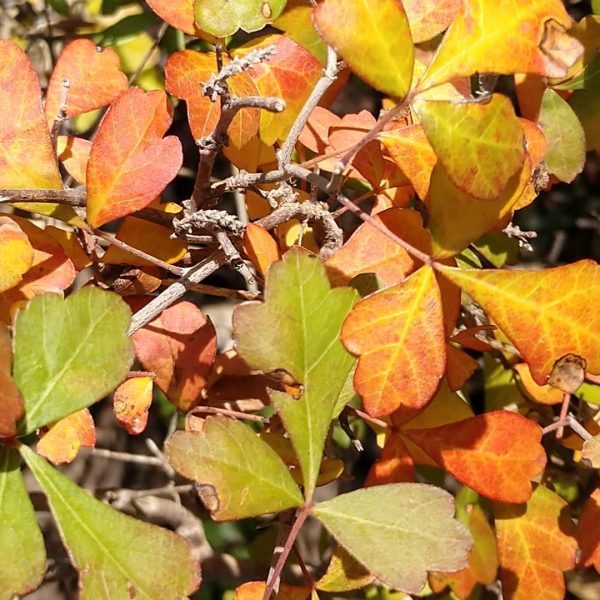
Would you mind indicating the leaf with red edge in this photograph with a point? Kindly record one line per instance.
(74, 154)
(373, 37)
(186, 71)
(588, 532)
(545, 314)
(131, 403)
(26, 155)
(476, 41)
(290, 73)
(496, 454)
(11, 401)
(130, 162)
(536, 544)
(16, 253)
(427, 18)
(179, 346)
(371, 251)
(62, 442)
(94, 77)
(479, 144)
(394, 465)
(398, 334)
(260, 248)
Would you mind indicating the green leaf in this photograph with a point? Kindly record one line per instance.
(596, 7)
(297, 329)
(117, 556)
(240, 474)
(373, 37)
(565, 156)
(589, 78)
(225, 18)
(398, 531)
(22, 549)
(69, 353)
(479, 144)
(60, 6)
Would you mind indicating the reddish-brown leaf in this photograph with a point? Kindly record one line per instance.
(61, 443)
(131, 403)
(11, 401)
(130, 163)
(179, 346)
(398, 334)
(94, 77)
(497, 454)
(588, 532)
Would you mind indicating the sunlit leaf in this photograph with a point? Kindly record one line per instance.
(412, 521)
(255, 590)
(398, 334)
(344, 573)
(94, 79)
(496, 454)
(179, 346)
(180, 14)
(69, 353)
(297, 329)
(427, 18)
(131, 403)
(21, 542)
(239, 474)
(260, 247)
(590, 454)
(546, 314)
(74, 153)
(394, 465)
(16, 253)
(459, 367)
(116, 555)
(476, 41)
(479, 144)
(544, 394)
(588, 532)
(130, 162)
(374, 40)
(61, 443)
(535, 545)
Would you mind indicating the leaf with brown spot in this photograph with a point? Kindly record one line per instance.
(131, 403)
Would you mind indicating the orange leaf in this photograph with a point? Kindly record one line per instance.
(260, 248)
(131, 403)
(394, 465)
(255, 590)
(70, 244)
(26, 156)
(11, 401)
(64, 439)
(544, 394)
(588, 532)
(94, 77)
(427, 18)
(459, 367)
(476, 42)
(16, 253)
(535, 546)
(179, 346)
(469, 338)
(290, 73)
(180, 15)
(398, 334)
(130, 164)
(315, 135)
(545, 314)
(496, 454)
(74, 154)
(370, 251)
(185, 72)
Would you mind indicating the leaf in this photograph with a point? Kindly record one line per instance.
(131, 403)
(412, 521)
(11, 400)
(179, 346)
(239, 474)
(588, 533)
(544, 394)
(374, 40)
(290, 73)
(62, 442)
(566, 139)
(459, 367)
(69, 353)
(479, 144)
(223, 19)
(16, 253)
(370, 251)
(394, 465)
(398, 334)
(130, 162)
(297, 329)
(74, 154)
(116, 555)
(545, 314)
(21, 543)
(344, 573)
(427, 18)
(260, 248)
(186, 71)
(26, 156)
(496, 454)
(94, 78)
(535, 545)
(590, 454)
(255, 590)
(476, 41)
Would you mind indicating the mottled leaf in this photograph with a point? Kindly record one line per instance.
(131, 403)
(62, 442)
(427, 18)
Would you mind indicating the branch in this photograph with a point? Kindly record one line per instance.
(72, 197)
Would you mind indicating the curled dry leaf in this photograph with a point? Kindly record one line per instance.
(568, 373)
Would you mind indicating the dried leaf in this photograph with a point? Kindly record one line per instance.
(590, 454)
